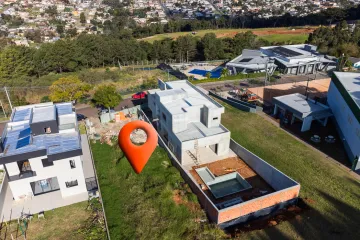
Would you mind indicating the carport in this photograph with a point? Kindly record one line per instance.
(297, 106)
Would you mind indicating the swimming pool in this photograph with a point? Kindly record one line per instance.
(223, 185)
(214, 74)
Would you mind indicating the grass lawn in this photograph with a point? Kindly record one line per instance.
(61, 223)
(333, 195)
(265, 33)
(155, 204)
(294, 38)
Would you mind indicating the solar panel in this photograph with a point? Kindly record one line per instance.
(285, 52)
(21, 115)
(23, 142)
(24, 133)
(245, 60)
(63, 109)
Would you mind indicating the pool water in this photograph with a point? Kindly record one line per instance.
(214, 74)
(226, 188)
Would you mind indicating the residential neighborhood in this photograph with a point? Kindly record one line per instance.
(169, 119)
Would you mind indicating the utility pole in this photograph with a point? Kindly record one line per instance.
(3, 108)
(7, 94)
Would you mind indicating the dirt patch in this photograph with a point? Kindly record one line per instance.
(282, 215)
(309, 200)
(316, 88)
(268, 32)
(179, 198)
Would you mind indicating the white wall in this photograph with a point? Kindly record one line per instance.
(346, 120)
(61, 169)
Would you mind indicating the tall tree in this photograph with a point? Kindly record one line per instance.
(107, 96)
(82, 18)
(15, 62)
(68, 89)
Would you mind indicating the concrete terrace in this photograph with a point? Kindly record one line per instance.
(229, 165)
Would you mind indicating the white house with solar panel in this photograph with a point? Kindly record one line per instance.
(41, 151)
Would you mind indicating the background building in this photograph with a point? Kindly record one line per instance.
(298, 59)
(344, 101)
(251, 61)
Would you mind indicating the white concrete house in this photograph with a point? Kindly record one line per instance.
(41, 151)
(344, 101)
(188, 120)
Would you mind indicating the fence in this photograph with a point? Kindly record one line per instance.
(98, 185)
(235, 104)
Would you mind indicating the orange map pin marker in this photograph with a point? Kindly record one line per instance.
(138, 155)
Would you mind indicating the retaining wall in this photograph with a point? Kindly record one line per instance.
(237, 105)
(259, 109)
(3, 188)
(275, 178)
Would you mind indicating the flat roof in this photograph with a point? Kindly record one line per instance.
(43, 114)
(298, 104)
(64, 108)
(184, 96)
(196, 130)
(351, 83)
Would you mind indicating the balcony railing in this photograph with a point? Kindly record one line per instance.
(22, 175)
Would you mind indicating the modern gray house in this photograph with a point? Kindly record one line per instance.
(251, 61)
(298, 59)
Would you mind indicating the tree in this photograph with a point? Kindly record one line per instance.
(107, 96)
(15, 62)
(60, 29)
(68, 89)
(208, 75)
(224, 72)
(82, 18)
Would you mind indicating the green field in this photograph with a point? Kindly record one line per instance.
(147, 206)
(265, 33)
(293, 38)
(332, 193)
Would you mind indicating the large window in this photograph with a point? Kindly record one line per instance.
(47, 163)
(45, 186)
(47, 130)
(71, 184)
(24, 166)
(72, 164)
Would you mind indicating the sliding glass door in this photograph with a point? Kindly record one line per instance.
(45, 186)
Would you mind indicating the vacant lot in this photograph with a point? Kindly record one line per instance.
(155, 204)
(331, 192)
(271, 34)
